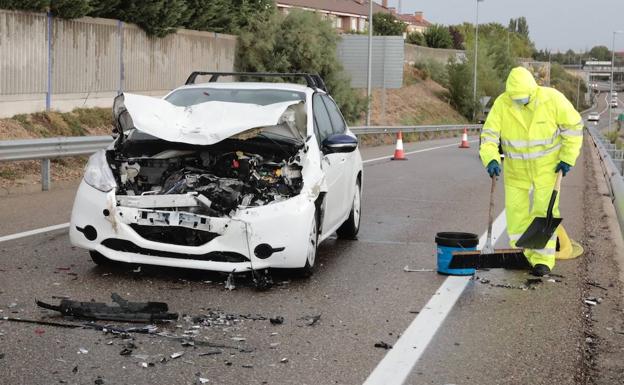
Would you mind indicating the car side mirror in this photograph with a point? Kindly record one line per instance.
(339, 143)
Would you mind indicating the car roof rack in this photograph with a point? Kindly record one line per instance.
(312, 80)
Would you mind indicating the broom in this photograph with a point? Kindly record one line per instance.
(488, 257)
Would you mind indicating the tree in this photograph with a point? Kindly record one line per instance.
(460, 89)
(438, 36)
(215, 15)
(298, 42)
(26, 5)
(416, 38)
(386, 24)
(70, 9)
(519, 26)
(156, 17)
(600, 52)
(457, 37)
(104, 8)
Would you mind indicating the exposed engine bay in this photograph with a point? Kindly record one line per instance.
(213, 180)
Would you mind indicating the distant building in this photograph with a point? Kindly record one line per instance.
(345, 15)
(415, 22)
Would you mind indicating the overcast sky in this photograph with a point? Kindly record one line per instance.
(553, 24)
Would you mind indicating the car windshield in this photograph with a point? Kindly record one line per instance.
(191, 96)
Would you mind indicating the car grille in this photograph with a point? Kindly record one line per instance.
(215, 256)
(175, 235)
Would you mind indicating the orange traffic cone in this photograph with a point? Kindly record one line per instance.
(398, 152)
(464, 142)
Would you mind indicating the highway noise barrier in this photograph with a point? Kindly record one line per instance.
(464, 141)
(399, 154)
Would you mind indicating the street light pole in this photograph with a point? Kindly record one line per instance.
(474, 81)
(370, 62)
(611, 83)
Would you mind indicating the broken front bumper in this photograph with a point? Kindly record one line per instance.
(271, 236)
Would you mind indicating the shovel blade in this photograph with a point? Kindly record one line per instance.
(539, 233)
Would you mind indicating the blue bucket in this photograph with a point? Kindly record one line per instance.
(449, 242)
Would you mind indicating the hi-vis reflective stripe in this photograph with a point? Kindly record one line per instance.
(548, 251)
(490, 132)
(491, 140)
(532, 155)
(530, 143)
(571, 132)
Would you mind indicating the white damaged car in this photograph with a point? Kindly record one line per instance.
(222, 176)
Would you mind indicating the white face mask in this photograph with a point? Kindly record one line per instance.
(522, 102)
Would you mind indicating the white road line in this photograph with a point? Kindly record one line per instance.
(34, 232)
(398, 363)
(417, 151)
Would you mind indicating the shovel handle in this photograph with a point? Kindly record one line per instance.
(558, 181)
(553, 197)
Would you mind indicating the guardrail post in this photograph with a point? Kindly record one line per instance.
(45, 174)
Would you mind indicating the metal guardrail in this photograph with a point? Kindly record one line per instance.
(360, 130)
(50, 148)
(612, 173)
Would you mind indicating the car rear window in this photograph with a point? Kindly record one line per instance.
(191, 96)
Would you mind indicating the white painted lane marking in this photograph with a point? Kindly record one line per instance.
(34, 232)
(417, 151)
(398, 363)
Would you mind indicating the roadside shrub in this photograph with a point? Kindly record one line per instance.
(299, 42)
(416, 38)
(438, 36)
(435, 70)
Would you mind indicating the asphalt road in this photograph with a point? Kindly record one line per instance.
(499, 332)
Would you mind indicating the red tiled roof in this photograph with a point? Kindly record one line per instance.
(343, 6)
(413, 20)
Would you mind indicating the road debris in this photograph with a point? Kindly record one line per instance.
(408, 270)
(383, 345)
(82, 351)
(229, 282)
(593, 301)
(99, 381)
(124, 311)
(177, 355)
(311, 320)
(210, 353)
(277, 320)
(239, 339)
(284, 360)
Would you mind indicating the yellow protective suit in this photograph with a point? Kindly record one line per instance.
(534, 138)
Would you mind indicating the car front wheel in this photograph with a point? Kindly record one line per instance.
(308, 269)
(350, 228)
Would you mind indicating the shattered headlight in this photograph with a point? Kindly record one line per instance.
(98, 173)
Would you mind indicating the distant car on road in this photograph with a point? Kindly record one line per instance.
(593, 117)
(614, 103)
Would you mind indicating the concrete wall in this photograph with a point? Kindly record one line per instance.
(87, 61)
(415, 53)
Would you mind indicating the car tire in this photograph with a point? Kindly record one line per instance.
(350, 228)
(308, 269)
(100, 260)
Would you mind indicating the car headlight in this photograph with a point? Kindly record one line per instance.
(98, 173)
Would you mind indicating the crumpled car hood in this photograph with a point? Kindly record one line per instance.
(201, 124)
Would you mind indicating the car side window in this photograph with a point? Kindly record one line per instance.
(322, 121)
(338, 123)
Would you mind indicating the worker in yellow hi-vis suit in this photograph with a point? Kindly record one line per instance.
(541, 134)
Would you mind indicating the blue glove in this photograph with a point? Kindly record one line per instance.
(563, 167)
(493, 168)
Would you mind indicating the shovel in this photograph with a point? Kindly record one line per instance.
(488, 257)
(542, 229)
